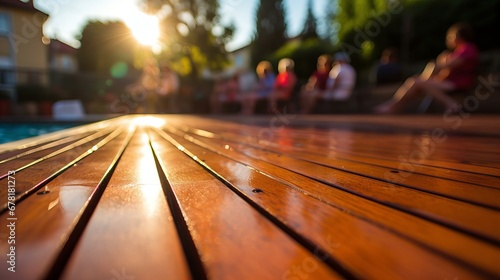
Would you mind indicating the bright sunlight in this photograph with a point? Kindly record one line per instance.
(145, 29)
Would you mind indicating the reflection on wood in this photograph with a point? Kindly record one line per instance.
(279, 197)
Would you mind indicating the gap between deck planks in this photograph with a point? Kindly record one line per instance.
(222, 203)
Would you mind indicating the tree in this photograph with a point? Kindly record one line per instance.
(369, 26)
(192, 32)
(270, 33)
(310, 26)
(103, 44)
(330, 26)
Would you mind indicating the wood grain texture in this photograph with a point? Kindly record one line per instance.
(318, 222)
(273, 197)
(132, 225)
(44, 221)
(446, 240)
(482, 195)
(223, 226)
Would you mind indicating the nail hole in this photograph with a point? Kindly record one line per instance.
(42, 192)
(394, 171)
(257, 190)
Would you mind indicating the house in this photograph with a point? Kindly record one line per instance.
(62, 57)
(23, 48)
(240, 59)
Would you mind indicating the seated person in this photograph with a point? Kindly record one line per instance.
(388, 70)
(342, 79)
(316, 85)
(283, 86)
(263, 89)
(452, 71)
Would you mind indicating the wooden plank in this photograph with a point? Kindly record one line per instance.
(37, 157)
(447, 241)
(55, 136)
(372, 251)
(377, 151)
(16, 154)
(131, 230)
(313, 195)
(303, 144)
(454, 213)
(233, 239)
(53, 164)
(480, 195)
(45, 221)
(393, 143)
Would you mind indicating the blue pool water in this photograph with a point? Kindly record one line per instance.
(17, 131)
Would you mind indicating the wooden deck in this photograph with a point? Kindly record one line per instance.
(281, 197)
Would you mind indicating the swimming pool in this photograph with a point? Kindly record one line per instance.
(16, 131)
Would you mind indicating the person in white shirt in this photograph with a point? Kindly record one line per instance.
(342, 79)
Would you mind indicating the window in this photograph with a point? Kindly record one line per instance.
(6, 59)
(4, 24)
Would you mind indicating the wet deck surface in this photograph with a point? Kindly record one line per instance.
(282, 197)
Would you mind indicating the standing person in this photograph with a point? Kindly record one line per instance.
(168, 90)
(451, 71)
(316, 85)
(284, 85)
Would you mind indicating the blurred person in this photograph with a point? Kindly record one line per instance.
(451, 71)
(283, 86)
(316, 85)
(388, 70)
(168, 90)
(341, 82)
(258, 103)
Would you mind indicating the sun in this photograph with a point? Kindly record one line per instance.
(145, 28)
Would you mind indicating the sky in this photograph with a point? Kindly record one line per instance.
(68, 17)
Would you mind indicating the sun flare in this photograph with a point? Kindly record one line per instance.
(145, 28)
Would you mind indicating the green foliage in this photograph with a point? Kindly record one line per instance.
(369, 26)
(270, 32)
(305, 55)
(103, 44)
(192, 33)
(330, 25)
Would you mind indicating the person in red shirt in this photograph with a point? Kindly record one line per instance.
(317, 83)
(450, 72)
(284, 85)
